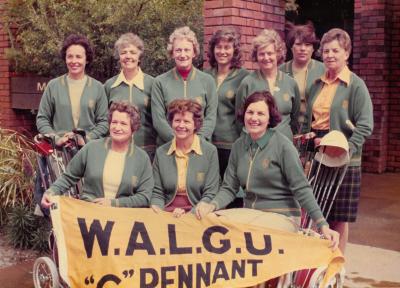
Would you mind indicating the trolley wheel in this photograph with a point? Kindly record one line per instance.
(337, 281)
(45, 274)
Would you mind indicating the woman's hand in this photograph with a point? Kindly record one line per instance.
(156, 208)
(102, 201)
(62, 141)
(178, 212)
(203, 208)
(331, 235)
(46, 201)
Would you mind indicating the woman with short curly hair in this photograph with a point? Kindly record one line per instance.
(134, 86)
(268, 50)
(302, 41)
(224, 56)
(186, 168)
(339, 100)
(183, 82)
(116, 172)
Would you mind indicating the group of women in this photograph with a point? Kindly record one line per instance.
(224, 121)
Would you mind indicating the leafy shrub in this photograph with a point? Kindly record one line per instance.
(25, 230)
(38, 27)
(17, 166)
(20, 225)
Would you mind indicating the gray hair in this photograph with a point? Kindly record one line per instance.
(183, 33)
(128, 39)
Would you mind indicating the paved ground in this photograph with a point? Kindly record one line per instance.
(372, 258)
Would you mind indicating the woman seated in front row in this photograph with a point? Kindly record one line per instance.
(186, 168)
(116, 171)
(265, 164)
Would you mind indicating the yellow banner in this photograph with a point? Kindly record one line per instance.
(120, 247)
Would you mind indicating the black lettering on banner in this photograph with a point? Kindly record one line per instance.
(203, 276)
(254, 263)
(164, 279)
(225, 244)
(173, 245)
(238, 268)
(250, 245)
(95, 231)
(220, 272)
(139, 229)
(153, 278)
(185, 277)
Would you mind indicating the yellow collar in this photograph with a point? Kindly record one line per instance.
(138, 80)
(343, 76)
(195, 146)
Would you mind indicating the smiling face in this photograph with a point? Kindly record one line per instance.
(120, 127)
(75, 59)
(334, 56)
(183, 53)
(129, 57)
(302, 52)
(183, 125)
(223, 52)
(267, 57)
(256, 119)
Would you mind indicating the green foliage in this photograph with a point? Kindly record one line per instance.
(17, 166)
(21, 223)
(25, 230)
(38, 27)
(40, 236)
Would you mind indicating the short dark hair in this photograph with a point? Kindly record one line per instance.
(274, 115)
(304, 33)
(75, 39)
(131, 110)
(230, 35)
(186, 105)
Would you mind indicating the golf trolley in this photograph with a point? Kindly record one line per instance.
(52, 162)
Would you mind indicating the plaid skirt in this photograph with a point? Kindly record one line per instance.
(345, 206)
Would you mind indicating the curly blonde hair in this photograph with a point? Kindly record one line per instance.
(265, 38)
(183, 33)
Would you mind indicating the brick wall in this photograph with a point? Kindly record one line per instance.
(9, 118)
(376, 57)
(248, 17)
(393, 154)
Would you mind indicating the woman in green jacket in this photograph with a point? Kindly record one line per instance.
(74, 100)
(224, 56)
(265, 164)
(186, 168)
(268, 50)
(339, 100)
(183, 82)
(134, 86)
(116, 172)
(302, 41)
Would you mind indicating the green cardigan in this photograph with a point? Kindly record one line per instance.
(273, 179)
(286, 95)
(353, 103)
(227, 130)
(202, 180)
(137, 179)
(169, 86)
(55, 113)
(315, 70)
(145, 137)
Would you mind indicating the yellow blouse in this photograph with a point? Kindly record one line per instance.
(322, 104)
(182, 161)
